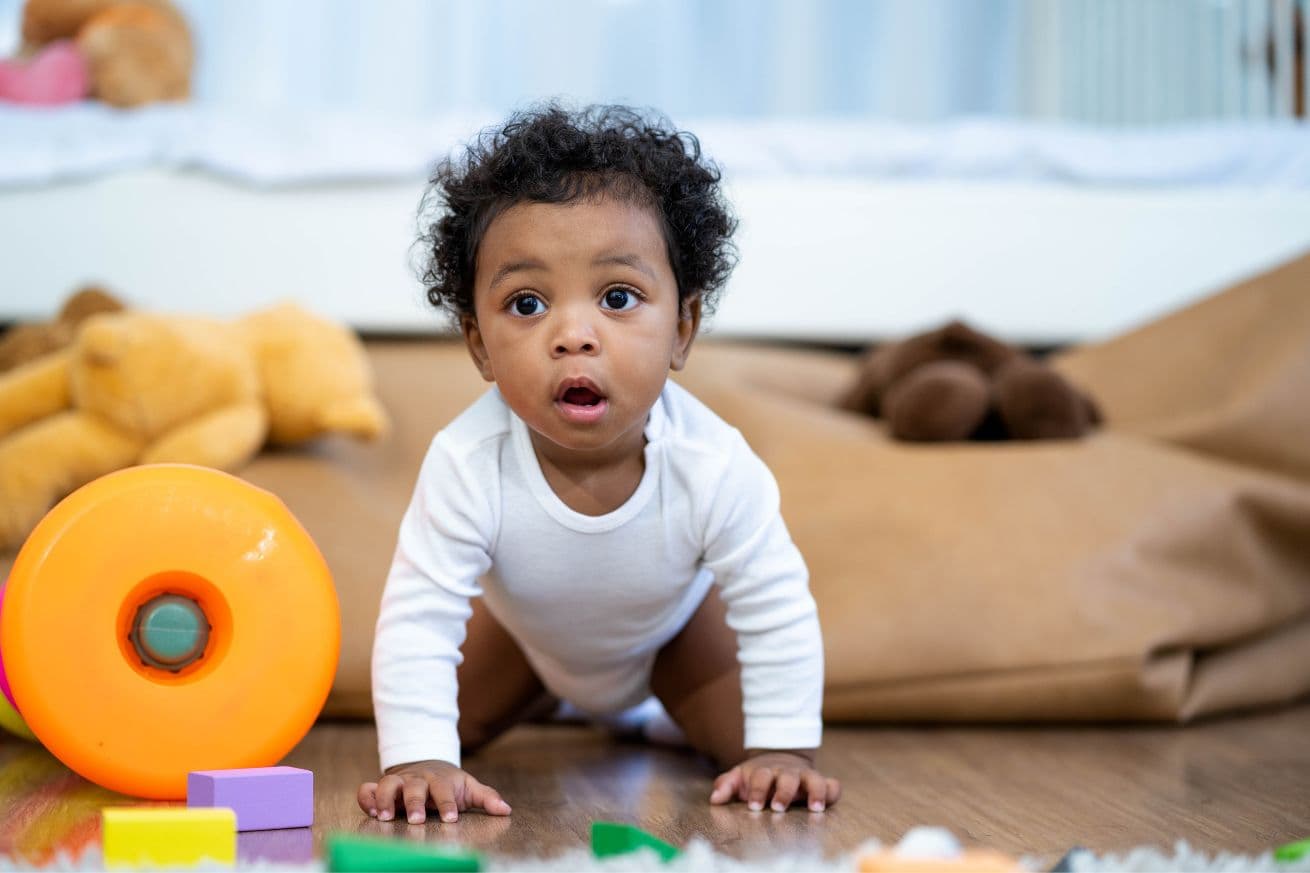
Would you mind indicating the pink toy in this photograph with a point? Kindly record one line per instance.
(57, 75)
(4, 680)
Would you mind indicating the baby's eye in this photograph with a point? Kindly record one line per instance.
(527, 304)
(621, 299)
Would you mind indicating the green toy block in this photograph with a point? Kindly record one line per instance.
(612, 838)
(348, 854)
(1292, 851)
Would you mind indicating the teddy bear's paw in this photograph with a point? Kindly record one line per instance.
(361, 417)
(1036, 402)
(138, 53)
(23, 501)
(939, 402)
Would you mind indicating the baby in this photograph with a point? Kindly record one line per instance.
(624, 540)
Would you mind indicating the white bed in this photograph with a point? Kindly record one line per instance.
(849, 231)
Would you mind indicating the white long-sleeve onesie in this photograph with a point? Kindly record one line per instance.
(592, 599)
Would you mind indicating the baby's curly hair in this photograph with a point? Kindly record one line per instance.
(548, 154)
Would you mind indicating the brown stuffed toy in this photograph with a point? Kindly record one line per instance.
(136, 51)
(955, 383)
(24, 342)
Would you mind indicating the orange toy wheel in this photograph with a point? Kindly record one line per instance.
(169, 618)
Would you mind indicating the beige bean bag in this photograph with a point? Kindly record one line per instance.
(1157, 570)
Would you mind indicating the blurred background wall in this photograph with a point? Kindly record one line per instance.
(1054, 170)
(1118, 62)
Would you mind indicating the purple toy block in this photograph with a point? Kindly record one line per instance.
(264, 798)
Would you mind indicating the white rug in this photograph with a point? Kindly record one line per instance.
(700, 856)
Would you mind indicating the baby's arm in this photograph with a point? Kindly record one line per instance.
(444, 546)
(765, 587)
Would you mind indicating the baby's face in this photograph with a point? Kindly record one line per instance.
(578, 321)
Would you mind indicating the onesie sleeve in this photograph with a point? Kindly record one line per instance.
(765, 587)
(444, 546)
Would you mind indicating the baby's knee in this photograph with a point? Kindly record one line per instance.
(473, 735)
(711, 717)
(476, 730)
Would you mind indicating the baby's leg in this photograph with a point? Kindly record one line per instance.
(698, 679)
(497, 686)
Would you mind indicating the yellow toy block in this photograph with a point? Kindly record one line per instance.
(168, 836)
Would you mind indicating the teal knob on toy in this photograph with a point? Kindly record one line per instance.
(170, 632)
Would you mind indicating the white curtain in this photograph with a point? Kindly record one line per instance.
(1115, 62)
(911, 59)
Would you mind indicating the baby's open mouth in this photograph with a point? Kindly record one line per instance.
(581, 397)
(580, 401)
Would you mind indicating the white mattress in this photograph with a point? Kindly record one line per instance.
(39, 146)
(849, 232)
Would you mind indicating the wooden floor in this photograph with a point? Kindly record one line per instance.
(1239, 784)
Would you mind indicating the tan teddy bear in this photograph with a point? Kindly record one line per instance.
(24, 342)
(138, 387)
(135, 51)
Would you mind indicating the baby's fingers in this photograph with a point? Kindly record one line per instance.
(484, 797)
(725, 787)
(388, 791)
(443, 798)
(368, 798)
(816, 788)
(760, 783)
(416, 799)
(785, 789)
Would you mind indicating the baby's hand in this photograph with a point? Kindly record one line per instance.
(423, 784)
(789, 776)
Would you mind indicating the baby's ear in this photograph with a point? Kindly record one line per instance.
(468, 325)
(688, 326)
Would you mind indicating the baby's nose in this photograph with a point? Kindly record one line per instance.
(576, 336)
(569, 348)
